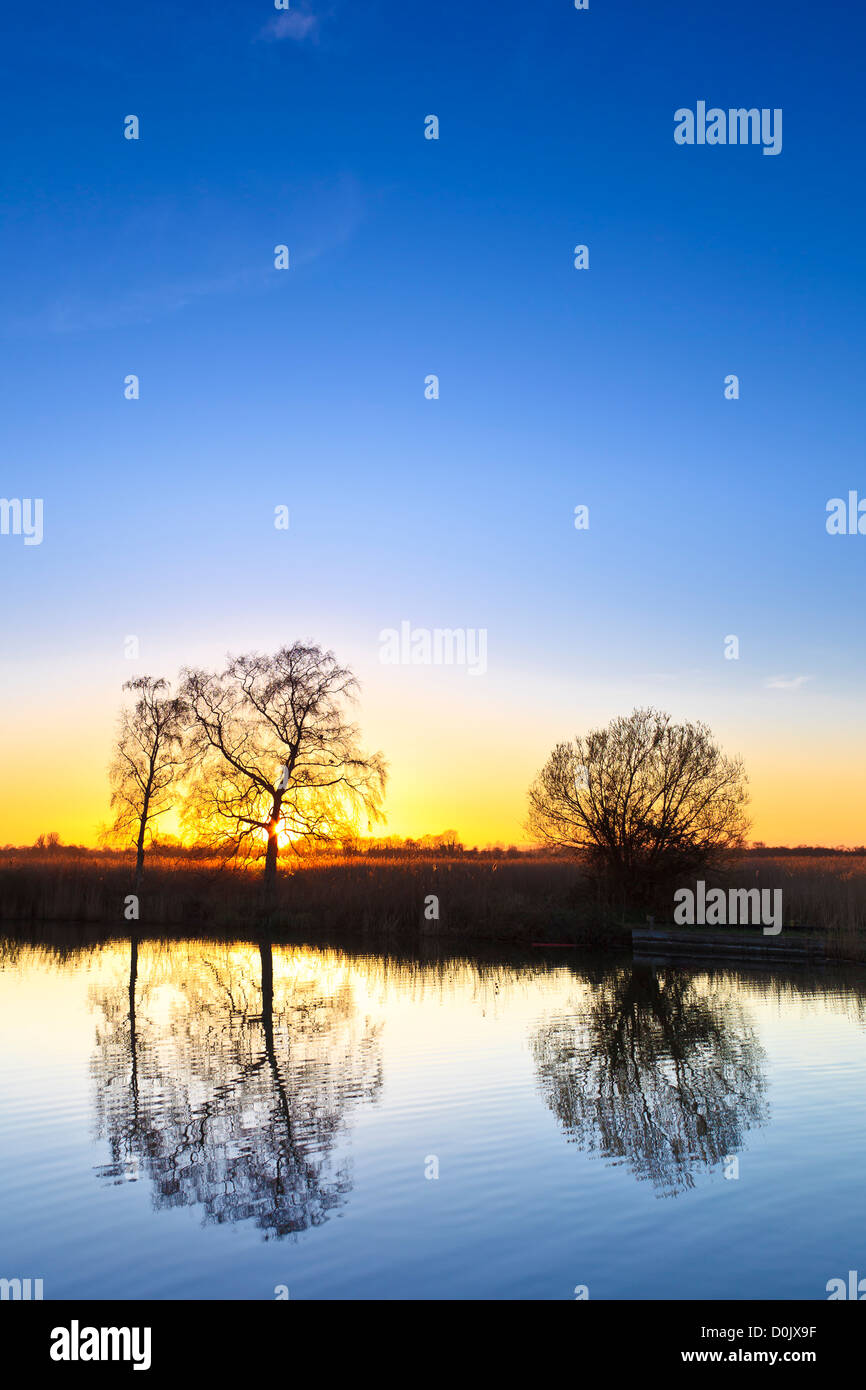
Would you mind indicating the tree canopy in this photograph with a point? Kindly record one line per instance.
(275, 750)
(645, 799)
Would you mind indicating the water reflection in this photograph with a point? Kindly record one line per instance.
(226, 1087)
(656, 1068)
(226, 1073)
(230, 1082)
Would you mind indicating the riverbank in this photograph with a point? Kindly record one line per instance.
(517, 899)
(513, 898)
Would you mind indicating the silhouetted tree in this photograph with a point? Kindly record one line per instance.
(646, 800)
(275, 747)
(49, 841)
(148, 763)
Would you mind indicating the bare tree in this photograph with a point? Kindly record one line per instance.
(645, 799)
(148, 763)
(275, 748)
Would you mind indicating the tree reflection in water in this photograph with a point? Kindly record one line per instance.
(659, 1069)
(228, 1091)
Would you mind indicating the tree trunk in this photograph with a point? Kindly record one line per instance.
(139, 867)
(271, 858)
(269, 882)
(139, 849)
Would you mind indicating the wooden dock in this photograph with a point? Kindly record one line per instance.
(735, 943)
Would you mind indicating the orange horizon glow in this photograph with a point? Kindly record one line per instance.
(455, 763)
(490, 819)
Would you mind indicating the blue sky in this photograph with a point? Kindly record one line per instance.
(454, 257)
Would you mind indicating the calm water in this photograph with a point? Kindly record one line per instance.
(203, 1119)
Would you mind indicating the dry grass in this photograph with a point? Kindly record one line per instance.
(510, 898)
(825, 893)
(503, 899)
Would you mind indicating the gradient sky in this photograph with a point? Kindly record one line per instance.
(559, 387)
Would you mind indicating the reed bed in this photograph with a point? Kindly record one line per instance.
(505, 899)
(515, 897)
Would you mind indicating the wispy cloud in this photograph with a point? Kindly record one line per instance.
(291, 24)
(785, 682)
(328, 214)
(76, 313)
